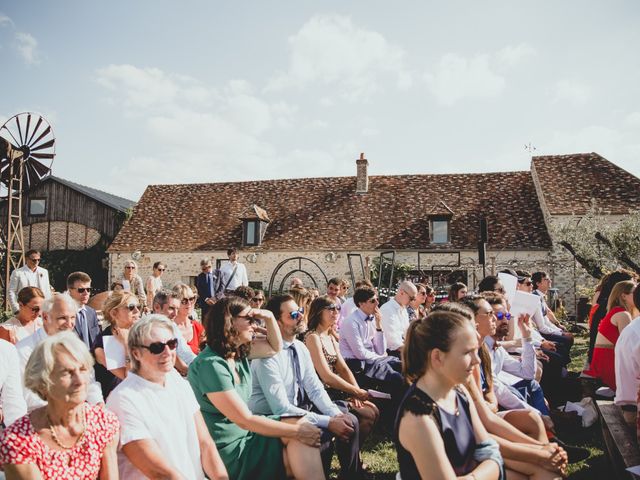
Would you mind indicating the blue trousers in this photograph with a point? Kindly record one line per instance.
(531, 392)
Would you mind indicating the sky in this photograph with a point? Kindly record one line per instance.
(143, 92)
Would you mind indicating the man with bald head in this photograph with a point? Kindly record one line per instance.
(58, 315)
(395, 317)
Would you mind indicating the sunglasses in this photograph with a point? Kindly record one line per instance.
(251, 320)
(34, 309)
(296, 313)
(501, 315)
(161, 269)
(132, 306)
(82, 290)
(333, 307)
(187, 301)
(257, 299)
(34, 259)
(158, 347)
(129, 267)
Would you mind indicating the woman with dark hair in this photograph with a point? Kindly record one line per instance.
(27, 320)
(457, 291)
(603, 299)
(438, 432)
(430, 298)
(251, 446)
(620, 312)
(331, 367)
(491, 283)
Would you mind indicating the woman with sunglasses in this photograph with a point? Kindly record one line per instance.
(430, 298)
(27, 320)
(331, 367)
(121, 311)
(258, 299)
(253, 447)
(154, 282)
(132, 282)
(163, 434)
(192, 330)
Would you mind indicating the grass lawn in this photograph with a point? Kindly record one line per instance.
(379, 453)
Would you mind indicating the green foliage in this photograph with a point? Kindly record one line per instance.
(400, 272)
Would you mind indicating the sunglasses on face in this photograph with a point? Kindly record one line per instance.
(187, 301)
(132, 306)
(36, 260)
(333, 307)
(296, 314)
(251, 320)
(129, 267)
(82, 290)
(158, 347)
(34, 309)
(257, 299)
(503, 315)
(161, 269)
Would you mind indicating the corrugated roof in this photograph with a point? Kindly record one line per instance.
(108, 199)
(326, 213)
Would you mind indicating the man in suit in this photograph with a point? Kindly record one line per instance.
(87, 326)
(208, 285)
(30, 275)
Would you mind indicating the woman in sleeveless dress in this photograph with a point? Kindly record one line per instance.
(331, 367)
(620, 312)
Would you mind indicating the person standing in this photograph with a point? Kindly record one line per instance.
(153, 283)
(30, 275)
(208, 285)
(234, 273)
(87, 326)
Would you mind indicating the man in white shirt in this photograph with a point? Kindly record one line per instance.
(12, 404)
(58, 314)
(627, 365)
(30, 275)
(395, 318)
(234, 273)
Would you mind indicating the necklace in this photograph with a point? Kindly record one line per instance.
(57, 440)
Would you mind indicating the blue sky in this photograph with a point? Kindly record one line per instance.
(145, 92)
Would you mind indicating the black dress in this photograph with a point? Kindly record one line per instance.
(456, 431)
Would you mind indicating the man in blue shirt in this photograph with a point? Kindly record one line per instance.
(287, 385)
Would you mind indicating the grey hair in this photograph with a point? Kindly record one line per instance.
(141, 331)
(206, 261)
(47, 305)
(131, 262)
(37, 373)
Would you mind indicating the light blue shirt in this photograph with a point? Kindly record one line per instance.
(274, 387)
(359, 338)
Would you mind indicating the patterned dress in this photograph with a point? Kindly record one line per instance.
(20, 444)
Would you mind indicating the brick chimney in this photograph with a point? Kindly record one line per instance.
(362, 178)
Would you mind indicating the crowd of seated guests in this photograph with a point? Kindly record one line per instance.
(275, 392)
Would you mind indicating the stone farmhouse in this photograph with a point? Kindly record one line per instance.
(317, 228)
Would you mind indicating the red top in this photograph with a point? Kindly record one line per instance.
(194, 343)
(608, 329)
(20, 444)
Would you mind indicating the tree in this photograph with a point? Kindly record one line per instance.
(600, 245)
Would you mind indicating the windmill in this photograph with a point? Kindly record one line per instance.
(27, 149)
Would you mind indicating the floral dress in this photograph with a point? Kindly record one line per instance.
(20, 444)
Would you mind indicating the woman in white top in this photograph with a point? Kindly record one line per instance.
(154, 282)
(27, 320)
(132, 282)
(163, 434)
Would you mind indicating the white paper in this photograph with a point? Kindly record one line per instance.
(114, 351)
(635, 470)
(523, 303)
(510, 284)
(377, 394)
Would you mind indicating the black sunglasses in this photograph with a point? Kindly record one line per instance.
(257, 299)
(161, 269)
(132, 306)
(82, 290)
(333, 307)
(186, 301)
(158, 347)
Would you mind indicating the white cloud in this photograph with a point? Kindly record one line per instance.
(457, 77)
(27, 47)
(633, 120)
(572, 91)
(511, 55)
(5, 20)
(331, 50)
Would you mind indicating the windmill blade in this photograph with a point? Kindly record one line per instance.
(10, 133)
(35, 130)
(44, 145)
(38, 167)
(26, 132)
(42, 135)
(43, 155)
(19, 130)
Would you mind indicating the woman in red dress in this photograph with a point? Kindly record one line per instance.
(67, 439)
(620, 311)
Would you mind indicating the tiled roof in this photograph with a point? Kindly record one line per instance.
(326, 214)
(570, 182)
(119, 203)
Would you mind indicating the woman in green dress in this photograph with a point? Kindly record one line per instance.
(252, 446)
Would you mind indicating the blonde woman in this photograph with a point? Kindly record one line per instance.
(191, 330)
(121, 311)
(132, 282)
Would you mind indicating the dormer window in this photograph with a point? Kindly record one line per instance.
(254, 225)
(439, 223)
(251, 232)
(439, 230)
